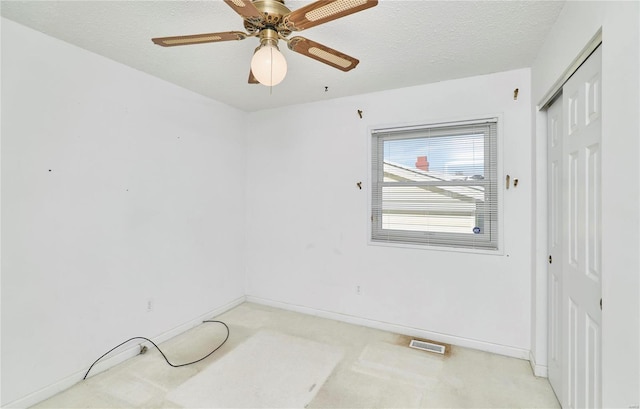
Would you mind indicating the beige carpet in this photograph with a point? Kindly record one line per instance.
(268, 370)
(273, 358)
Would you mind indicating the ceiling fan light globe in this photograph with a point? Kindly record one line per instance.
(268, 65)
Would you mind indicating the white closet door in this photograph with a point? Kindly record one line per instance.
(555, 240)
(575, 288)
(582, 287)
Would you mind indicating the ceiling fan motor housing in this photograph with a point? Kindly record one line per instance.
(273, 12)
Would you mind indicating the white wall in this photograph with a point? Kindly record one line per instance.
(116, 188)
(576, 25)
(307, 220)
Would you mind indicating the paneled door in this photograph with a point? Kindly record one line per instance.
(555, 241)
(575, 289)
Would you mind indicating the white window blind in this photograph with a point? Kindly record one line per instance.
(436, 185)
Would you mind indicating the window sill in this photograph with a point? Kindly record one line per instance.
(498, 252)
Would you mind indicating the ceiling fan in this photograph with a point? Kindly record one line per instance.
(271, 21)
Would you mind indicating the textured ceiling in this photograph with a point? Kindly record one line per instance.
(398, 43)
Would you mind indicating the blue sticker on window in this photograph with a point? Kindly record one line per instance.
(476, 230)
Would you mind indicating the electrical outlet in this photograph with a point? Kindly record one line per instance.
(358, 290)
(149, 305)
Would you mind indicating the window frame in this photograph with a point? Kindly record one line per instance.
(434, 244)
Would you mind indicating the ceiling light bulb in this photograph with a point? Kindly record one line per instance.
(268, 65)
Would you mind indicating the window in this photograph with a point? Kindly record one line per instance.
(436, 185)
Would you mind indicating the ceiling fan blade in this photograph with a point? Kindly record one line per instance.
(323, 53)
(247, 10)
(252, 79)
(199, 38)
(323, 11)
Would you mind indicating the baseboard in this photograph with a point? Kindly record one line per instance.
(538, 370)
(114, 360)
(399, 329)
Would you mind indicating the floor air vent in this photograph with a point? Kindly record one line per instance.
(427, 346)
